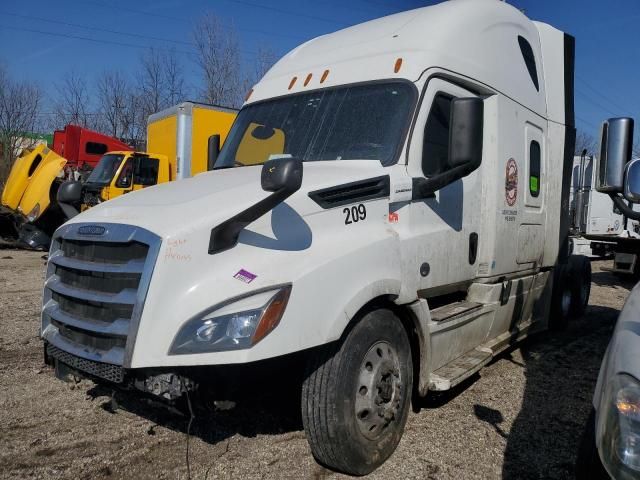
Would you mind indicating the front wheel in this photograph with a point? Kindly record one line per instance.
(356, 394)
(580, 278)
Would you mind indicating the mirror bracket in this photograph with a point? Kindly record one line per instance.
(281, 176)
(424, 188)
(626, 210)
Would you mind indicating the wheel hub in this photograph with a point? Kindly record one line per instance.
(378, 395)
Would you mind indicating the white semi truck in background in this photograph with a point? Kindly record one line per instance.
(391, 205)
(598, 226)
(592, 212)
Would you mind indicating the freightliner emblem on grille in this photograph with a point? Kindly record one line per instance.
(91, 230)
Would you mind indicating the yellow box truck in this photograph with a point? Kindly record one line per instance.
(181, 142)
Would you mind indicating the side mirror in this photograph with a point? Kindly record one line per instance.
(615, 152)
(466, 126)
(281, 174)
(632, 181)
(69, 197)
(213, 149)
(466, 132)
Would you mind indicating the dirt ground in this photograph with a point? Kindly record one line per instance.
(521, 417)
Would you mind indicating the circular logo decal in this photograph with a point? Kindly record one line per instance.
(511, 182)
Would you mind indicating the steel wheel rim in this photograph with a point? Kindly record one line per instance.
(379, 390)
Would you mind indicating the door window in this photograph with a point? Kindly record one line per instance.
(95, 148)
(146, 171)
(435, 148)
(534, 169)
(126, 175)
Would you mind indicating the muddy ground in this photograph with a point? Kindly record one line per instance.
(521, 417)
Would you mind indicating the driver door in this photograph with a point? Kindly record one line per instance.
(445, 227)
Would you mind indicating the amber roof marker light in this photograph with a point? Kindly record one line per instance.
(398, 65)
(292, 82)
(325, 74)
(307, 80)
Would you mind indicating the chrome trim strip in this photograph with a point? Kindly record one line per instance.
(131, 267)
(119, 327)
(125, 297)
(114, 355)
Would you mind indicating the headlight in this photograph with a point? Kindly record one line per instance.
(34, 213)
(619, 422)
(234, 325)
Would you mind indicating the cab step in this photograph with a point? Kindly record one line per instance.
(461, 368)
(453, 311)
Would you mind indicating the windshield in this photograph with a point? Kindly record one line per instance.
(106, 169)
(362, 122)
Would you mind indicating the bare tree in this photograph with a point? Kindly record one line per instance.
(19, 107)
(151, 80)
(265, 58)
(218, 56)
(113, 97)
(585, 141)
(135, 121)
(72, 105)
(160, 82)
(175, 86)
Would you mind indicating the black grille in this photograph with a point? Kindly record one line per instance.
(104, 252)
(106, 282)
(353, 192)
(112, 373)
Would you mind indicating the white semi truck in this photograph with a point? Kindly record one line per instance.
(598, 226)
(391, 203)
(593, 214)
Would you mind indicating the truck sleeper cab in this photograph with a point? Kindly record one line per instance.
(391, 201)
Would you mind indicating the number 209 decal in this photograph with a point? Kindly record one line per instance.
(354, 214)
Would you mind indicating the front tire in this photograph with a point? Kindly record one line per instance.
(580, 277)
(356, 395)
(560, 298)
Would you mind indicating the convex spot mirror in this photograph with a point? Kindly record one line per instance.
(281, 174)
(69, 196)
(69, 192)
(632, 181)
(615, 152)
(466, 132)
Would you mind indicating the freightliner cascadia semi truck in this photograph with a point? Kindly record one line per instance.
(390, 203)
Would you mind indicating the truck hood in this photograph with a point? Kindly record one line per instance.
(210, 198)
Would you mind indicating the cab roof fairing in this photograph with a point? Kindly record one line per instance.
(475, 38)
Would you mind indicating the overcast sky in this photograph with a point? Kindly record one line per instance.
(42, 39)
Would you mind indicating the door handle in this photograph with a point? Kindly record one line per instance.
(473, 247)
